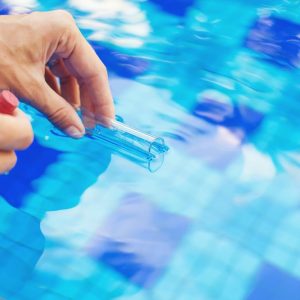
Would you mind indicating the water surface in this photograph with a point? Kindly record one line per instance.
(219, 80)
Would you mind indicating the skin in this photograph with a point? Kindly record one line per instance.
(35, 50)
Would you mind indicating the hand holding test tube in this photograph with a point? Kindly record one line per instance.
(140, 147)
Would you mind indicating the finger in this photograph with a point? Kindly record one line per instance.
(51, 80)
(83, 63)
(87, 109)
(99, 109)
(15, 131)
(58, 111)
(8, 160)
(68, 83)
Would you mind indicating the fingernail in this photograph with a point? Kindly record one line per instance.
(74, 132)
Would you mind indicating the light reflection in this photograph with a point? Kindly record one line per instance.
(118, 22)
(21, 3)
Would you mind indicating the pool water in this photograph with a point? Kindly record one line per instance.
(220, 220)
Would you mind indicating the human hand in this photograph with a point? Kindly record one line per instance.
(27, 44)
(15, 134)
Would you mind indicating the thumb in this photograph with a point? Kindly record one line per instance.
(58, 111)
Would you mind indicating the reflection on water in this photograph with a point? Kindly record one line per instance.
(220, 82)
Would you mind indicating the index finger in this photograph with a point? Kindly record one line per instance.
(84, 64)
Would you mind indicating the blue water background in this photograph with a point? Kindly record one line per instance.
(219, 80)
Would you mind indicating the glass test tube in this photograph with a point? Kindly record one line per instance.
(140, 147)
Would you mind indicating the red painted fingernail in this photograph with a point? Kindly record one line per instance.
(8, 102)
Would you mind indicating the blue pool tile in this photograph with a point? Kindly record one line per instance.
(241, 119)
(273, 283)
(21, 245)
(122, 64)
(4, 8)
(218, 131)
(251, 224)
(176, 7)
(277, 39)
(32, 164)
(138, 240)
